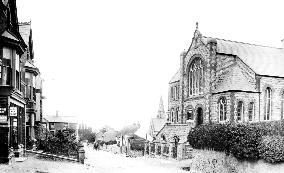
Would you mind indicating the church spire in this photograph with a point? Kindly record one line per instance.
(161, 111)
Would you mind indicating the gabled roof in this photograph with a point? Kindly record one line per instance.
(9, 35)
(25, 31)
(176, 77)
(263, 60)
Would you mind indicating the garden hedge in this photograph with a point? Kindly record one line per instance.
(241, 140)
(271, 148)
(63, 142)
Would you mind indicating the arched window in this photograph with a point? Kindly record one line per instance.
(268, 103)
(282, 105)
(222, 107)
(251, 111)
(189, 113)
(240, 111)
(196, 77)
(177, 112)
(172, 115)
(176, 93)
(172, 92)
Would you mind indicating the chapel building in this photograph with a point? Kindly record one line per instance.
(223, 81)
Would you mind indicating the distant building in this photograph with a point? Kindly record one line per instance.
(55, 123)
(106, 134)
(156, 124)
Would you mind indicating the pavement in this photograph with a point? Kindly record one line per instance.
(96, 162)
(34, 164)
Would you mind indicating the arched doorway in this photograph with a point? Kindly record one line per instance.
(199, 113)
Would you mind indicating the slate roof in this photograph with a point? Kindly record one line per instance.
(7, 34)
(176, 77)
(263, 60)
(29, 64)
(64, 119)
(170, 130)
(233, 79)
(25, 31)
(156, 124)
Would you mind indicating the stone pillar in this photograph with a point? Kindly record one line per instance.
(81, 153)
(180, 151)
(145, 147)
(171, 146)
(162, 147)
(188, 151)
(156, 147)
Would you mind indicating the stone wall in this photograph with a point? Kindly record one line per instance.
(277, 87)
(174, 102)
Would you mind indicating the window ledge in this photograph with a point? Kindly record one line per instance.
(224, 121)
(195, 96)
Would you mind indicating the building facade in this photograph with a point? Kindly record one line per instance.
(222, 81)
(32, 89)
(12, 102)
(15, 51)
(56, 123)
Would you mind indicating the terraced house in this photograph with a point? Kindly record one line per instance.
(224, 81)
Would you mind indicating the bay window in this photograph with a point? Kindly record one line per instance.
(6, 66)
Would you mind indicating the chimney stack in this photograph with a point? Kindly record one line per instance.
(57, 113)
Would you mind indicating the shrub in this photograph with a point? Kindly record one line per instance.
(87, 134)
(244, 141)
(241, 140)
(64, 142)
(110, 142)
(271, 148)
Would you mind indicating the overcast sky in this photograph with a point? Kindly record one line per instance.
(110, 61)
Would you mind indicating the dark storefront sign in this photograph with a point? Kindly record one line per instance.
(3, 111)
(3, 115)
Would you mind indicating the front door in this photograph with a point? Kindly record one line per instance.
(199, 116)
(14, 132)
